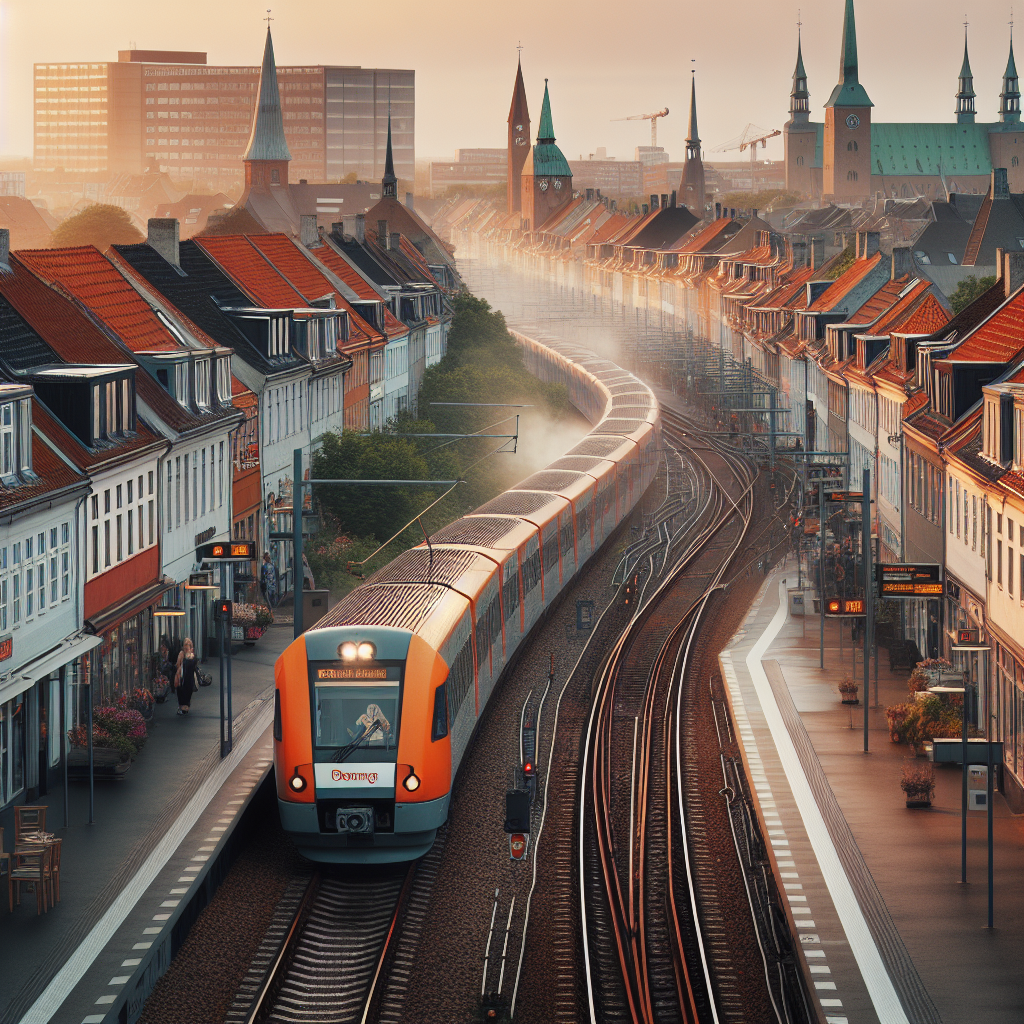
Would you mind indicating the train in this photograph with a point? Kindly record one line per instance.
(375, 705)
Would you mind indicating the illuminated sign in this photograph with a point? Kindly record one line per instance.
(222, 551)
(845, 496)
(6, 648)
(905, 579)
(355, 776)
(846, 606)
(359, 675)
(968, 636)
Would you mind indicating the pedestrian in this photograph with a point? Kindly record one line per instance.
(307, 575)
(268, 581)
(185, 676)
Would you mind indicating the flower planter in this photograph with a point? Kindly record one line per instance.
(850, 700)
(254, 632)
(918, 803)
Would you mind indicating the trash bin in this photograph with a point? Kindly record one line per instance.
(796, 601)
(315, 605)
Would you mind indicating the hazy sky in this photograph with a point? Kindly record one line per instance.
(604, 60)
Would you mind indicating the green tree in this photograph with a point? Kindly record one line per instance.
(377, 511)
(843, 263)
(99, 225)
(968, 290)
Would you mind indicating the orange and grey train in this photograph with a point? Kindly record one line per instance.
(375, 705)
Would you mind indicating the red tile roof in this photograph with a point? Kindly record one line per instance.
(84, 273)
(880, 302)
(250, 270)
(998, 339)
(845, 283)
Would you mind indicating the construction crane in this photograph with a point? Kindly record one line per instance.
(653, 118)
(748, 139)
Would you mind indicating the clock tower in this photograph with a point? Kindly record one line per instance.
(847, 142)
(518, 142)
(547, 178)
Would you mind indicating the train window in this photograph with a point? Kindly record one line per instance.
(531, 572)
(510, 591)
(583, 520)
(460, 679)
(567, 537)
(439, 728)
(483, 644)
(551, 552)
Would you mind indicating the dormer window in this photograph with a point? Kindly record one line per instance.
(181, 388)
(15, 434)
(280, 342)
(96, 403)
(224, 380)
(203, 383)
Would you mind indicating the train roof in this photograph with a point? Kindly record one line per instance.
(583, 464)
(605, 446)
(558, 481)
(536, 506)
(498, 533)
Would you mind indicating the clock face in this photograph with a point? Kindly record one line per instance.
(519, 127)
(853, 121)
(558, 182)
(543, 185)
(520, 141)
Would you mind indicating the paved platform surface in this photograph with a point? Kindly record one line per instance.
(173, 781)
(887, 931)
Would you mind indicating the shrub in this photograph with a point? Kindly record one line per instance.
(124, 723)
(918, 781)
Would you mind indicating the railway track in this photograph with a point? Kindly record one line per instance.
(656, 945)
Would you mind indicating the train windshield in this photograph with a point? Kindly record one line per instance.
(356, 719)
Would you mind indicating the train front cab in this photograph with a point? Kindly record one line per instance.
(385, 800)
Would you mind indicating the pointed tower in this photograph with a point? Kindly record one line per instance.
(800, 136)
(389, 183)
(518, 141)
(691, 187)
(847, 144)
(1009, 98)
(965, 95)
(267, 155)
(546, 178)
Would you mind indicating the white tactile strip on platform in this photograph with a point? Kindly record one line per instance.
(817, 961)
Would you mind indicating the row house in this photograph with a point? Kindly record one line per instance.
(286, 349)
(191, 406)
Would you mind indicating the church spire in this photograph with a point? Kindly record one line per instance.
(518, 141)
(1009, 98)
(267, 141)
(389, 183)
(799, 98)
(546, 131)
(965, 96)
(692, 185)
(849, 92)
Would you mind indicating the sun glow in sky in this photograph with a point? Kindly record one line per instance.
(604, 60)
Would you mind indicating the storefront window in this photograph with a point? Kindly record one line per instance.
(12, 749)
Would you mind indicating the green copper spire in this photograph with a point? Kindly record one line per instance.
(546, 158)
(965, 95)
(1009, 98)
(267, 141)
(849, 92)
(546, 131)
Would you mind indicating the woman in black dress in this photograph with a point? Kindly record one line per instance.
(185, 677)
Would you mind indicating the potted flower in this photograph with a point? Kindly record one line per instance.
(897, 717)
(160, 688)
(142, 700)
(918, 784)
(848, 689)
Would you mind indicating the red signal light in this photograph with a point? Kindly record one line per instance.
(218, 551)
(835, 606)
(528, 768)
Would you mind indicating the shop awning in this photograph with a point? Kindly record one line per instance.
(116, 613)
(27, 675)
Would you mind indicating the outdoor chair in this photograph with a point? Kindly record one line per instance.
(30, 869)
(28, 818)
(54, 870)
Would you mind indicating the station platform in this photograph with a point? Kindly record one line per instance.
(887, 932)
(155, 833)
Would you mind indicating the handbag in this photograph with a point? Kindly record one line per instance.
(205, 679)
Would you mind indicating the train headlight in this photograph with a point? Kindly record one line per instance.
(297, 782)
(366, 651)
(348, 651)
(411, 782)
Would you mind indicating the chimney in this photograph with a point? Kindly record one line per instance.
(654, 201)
(395, 240)
(163, 236)
(902, 261)
(1000, 186)
(382, 233)
(673, 199)
(309, 233)
(1013, 272)
(303, 181)
(869, 242)
(890, 203)
(999, 264)
(799, 247)
(664, 200)
(732, 212)
(360, 228)
(718, 211)
(5, 247)
(410, 201)
(817, 251)
(597, 192)
(590, 195)
(645, 209)
(614, 205)
(753, 214)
